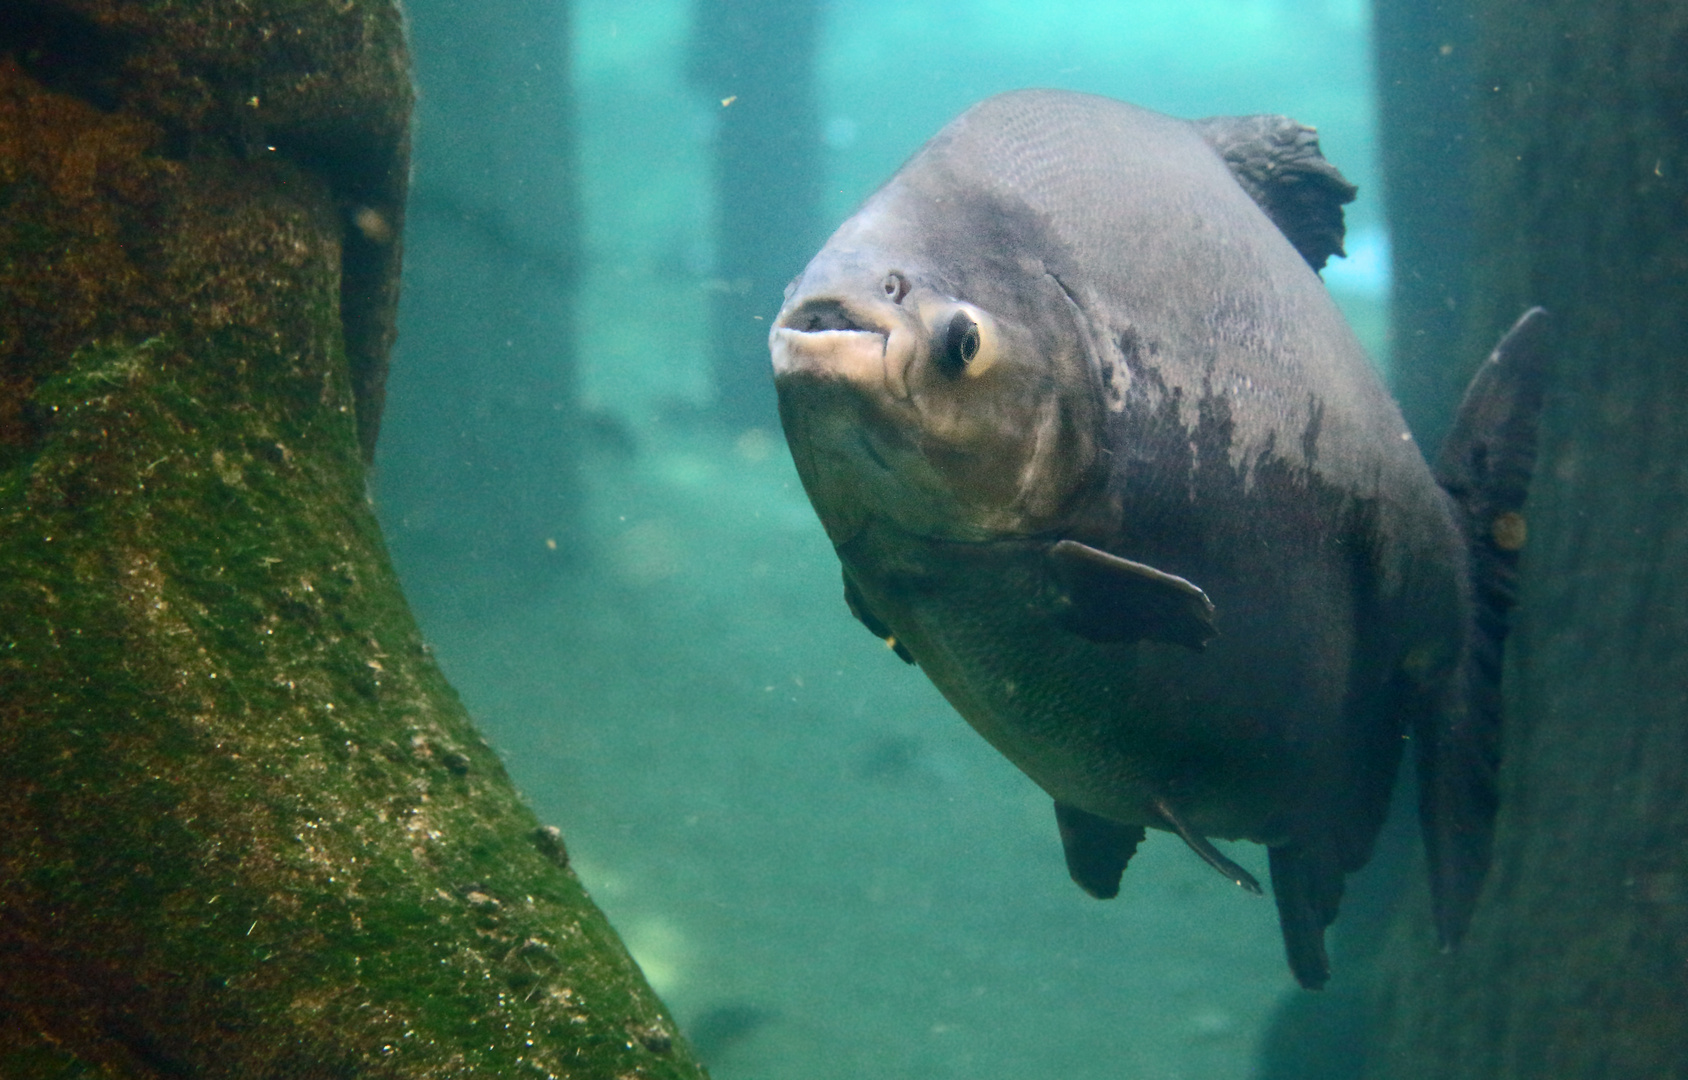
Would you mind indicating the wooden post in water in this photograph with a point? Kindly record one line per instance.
(755, 60)
(1576, 964)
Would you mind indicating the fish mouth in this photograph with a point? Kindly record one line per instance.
(822, 314)
(841, 371)
(832, 340)
(838, 369)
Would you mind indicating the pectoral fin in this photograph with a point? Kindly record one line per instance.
(858, 608)
(1106, 598)
(1097, 849)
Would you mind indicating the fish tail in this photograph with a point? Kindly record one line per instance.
(1484, 466)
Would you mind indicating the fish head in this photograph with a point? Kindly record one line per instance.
(944, 391)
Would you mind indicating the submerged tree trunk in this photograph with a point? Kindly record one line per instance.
(1577, 959)
(250, 831)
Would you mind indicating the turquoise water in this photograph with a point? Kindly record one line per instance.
(892, 74)
(823, 871)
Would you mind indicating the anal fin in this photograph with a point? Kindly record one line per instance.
(1107, 598)
(1308, 890)
(1097, 849)
(1201, 846)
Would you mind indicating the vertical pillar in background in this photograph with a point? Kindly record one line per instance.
(1424, 73)
(1575, 962)
(478, 468)
(755, 59)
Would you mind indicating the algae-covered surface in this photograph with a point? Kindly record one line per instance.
(247, 812)
(318, 84)
(251, 831)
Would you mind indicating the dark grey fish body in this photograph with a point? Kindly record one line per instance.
(1097, 451)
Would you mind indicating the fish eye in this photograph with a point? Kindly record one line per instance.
(961, 343)
(895, 286)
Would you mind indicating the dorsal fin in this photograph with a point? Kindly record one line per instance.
(1277, 161)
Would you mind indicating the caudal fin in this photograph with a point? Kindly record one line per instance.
(1485, 467)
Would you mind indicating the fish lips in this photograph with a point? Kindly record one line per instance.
(841, 396)
(841, 344)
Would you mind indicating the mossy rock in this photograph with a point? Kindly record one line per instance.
(251, 831)
(322, 85)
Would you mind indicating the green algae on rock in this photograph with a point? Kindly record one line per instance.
(251, 830)
(248, 813)
(321, 83)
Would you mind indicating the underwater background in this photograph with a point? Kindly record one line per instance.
(819, 866)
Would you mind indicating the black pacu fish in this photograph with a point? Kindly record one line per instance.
(1097, 451)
